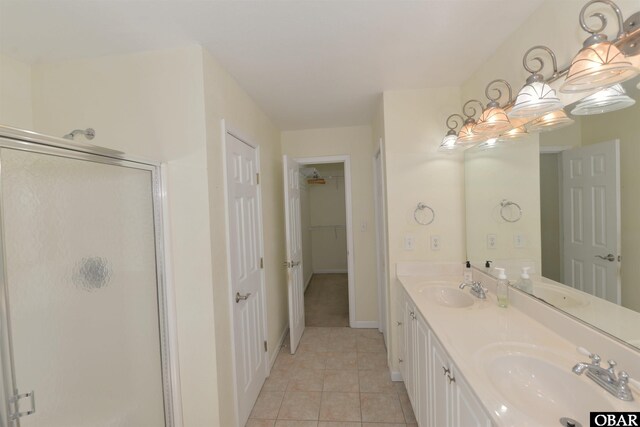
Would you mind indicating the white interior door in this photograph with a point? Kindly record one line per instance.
(294, 250)
(246, 273)
(591, 219)
(381, 245)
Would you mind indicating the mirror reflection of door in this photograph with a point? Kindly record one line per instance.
(591, 218)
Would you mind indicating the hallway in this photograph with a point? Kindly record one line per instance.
(326, 300)
(337, 378)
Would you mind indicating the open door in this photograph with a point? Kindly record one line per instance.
(294, 250)
(591, 219)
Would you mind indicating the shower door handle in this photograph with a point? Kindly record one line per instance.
(609, 257)
(244, 297)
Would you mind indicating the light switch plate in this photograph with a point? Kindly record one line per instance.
(492, 241)
(518, 240)
(435, 243)
(409, 243)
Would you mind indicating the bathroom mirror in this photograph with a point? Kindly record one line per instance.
(566, 203)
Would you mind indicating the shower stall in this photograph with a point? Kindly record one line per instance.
(83, 325)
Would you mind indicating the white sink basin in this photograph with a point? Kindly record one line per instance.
(543, 390)
(559, 297)
(446, 296)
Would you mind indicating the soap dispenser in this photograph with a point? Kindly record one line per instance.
(502, 288)
(468, 274)
(525, 284)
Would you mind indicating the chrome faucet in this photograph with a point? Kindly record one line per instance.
(477, 290)
(616, 384)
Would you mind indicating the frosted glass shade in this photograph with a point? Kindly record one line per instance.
(493, 121)
(598, 66)
(609, 99)
(534, 100)
(488, 144)
(468, 136)
(448, 143)
(550, 121)
(514, 134)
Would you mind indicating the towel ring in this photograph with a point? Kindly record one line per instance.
(506, 203)
(419, 209)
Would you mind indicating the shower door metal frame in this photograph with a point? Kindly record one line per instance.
(22, 140)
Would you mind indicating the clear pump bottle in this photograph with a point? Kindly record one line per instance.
(502, 288)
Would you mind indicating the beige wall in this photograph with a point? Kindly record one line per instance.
(414, 125)
(510, 172)
(623, 125)
(225, 99)
(327, 208)
(152, 105)
(305, 220)
(355, 142)
(551, 235)
(15, 93)
(168, 106)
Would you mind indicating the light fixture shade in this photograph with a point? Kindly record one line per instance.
(609, 99)
(488, 144)
(493, 121)
(598, 66)
(551, 121)
(468, 136)
(514, 134)
(449, 142)
(535, 99)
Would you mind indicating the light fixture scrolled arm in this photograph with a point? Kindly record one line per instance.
(601, 17)
(536, 71)
(471, 108)
(496, 99)
(455, 122)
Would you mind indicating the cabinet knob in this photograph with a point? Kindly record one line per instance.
(398, 323)
(446, 371)
(400, 360)
(451, 379)
(413, 315)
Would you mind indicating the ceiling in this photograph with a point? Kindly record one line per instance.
(308, 64)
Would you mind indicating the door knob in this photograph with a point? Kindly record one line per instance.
(609, 257)
(244, 297)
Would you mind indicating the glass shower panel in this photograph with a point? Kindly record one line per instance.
(82, 290)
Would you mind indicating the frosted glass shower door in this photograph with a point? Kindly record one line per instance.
(83, 299)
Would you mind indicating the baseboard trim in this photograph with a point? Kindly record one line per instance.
(339, 271)
(396, 376)
(274, 355)
(364, 324)
(308, 282)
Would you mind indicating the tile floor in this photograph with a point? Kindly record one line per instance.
(337, 378)
(326, 300)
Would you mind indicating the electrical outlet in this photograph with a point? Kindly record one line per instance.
(492, 241)
(518, 240)
(435, 243)
(409, 243)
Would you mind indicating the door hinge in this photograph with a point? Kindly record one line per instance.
(257, 179)
(265, 346)
(261, 262)
(15, 403)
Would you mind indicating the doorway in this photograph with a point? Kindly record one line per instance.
(324, 245)
(318, 201)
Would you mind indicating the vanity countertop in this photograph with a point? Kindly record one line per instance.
(483, 340)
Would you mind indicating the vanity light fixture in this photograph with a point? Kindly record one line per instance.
(514, 134)
(493, 121)
(449, 141)
(488, 144)
(609, 99)
(467, 135)
(555, 120)
(536, 98)
(599, 63)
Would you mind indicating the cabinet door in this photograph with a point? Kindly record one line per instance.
(421, 407)
(467, 411)
(439, 390)
(409, 354)
(400, 329)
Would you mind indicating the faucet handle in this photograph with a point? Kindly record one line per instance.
(594, 357)
(612, 365)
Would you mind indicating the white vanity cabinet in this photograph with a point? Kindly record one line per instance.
(439, 395)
